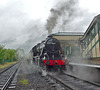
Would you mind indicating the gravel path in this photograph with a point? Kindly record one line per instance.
(30, 79)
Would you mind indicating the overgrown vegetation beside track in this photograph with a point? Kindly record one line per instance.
(7, 64)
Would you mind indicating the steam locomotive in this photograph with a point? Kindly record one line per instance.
(48, 54)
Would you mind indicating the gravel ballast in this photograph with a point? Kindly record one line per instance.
(29, 78)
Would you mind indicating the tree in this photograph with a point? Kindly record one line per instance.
(10, 54)
(2, 50)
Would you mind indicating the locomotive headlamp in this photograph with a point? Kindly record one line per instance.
(43, 58)
(38, 58)
(45, 53)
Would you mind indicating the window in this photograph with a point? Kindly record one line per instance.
(96, 28)
(93, 34)
(89, 38)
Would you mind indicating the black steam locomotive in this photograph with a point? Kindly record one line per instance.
(48, 54)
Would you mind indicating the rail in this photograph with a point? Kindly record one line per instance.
(71, 82)
(8, 81)
(61, 82)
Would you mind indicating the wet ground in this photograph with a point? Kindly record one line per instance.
(30, 78)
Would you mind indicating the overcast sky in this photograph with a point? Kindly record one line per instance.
(23, 23)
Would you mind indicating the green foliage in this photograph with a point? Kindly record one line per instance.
(2, 53)
(9, 54)
(24, 82)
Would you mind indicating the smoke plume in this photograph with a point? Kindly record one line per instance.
(67, 15)
(63, 12)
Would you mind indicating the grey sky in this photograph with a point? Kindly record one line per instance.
(22, 22)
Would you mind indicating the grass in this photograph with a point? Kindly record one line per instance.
(24, 82)
(7, 64)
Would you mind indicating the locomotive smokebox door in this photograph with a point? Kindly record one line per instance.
(52, 45)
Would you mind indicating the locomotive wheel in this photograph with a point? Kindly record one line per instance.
(49, 68)
(63, 67)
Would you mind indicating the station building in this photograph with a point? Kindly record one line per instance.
(79, 44)
(69, 42)
(90, 42)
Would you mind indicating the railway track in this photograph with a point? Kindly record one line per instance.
(70, 82)
(7, 68)
(7, 76)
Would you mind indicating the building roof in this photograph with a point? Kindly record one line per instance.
(67, 34)
(95, 19)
